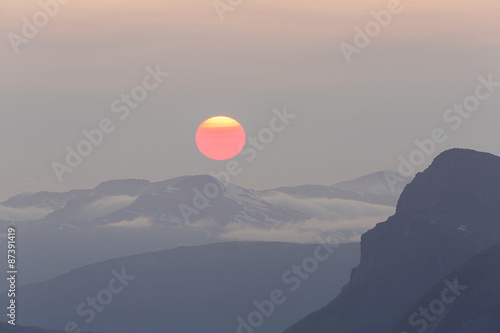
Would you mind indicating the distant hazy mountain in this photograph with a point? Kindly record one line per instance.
(62, 231)
(374, 188)
(72, 206)
(474, 306)
(448, 214)
(378, 183)
(193, 289)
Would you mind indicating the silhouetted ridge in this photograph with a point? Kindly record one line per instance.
(447, 214)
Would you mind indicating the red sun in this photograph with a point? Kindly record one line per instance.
(220, 138)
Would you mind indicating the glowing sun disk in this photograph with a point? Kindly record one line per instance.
(220, 138)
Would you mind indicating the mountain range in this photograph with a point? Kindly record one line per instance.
(126, 217)
(431, 267)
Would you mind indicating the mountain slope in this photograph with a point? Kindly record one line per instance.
(7, 328)
(473, 306)
(448, 213)
(193, 289)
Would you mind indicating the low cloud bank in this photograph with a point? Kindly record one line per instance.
(330, 209)
(344, 220)
(23, 214)
(344, 231)
(138, 223)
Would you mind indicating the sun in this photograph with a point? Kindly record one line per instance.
(220, 138)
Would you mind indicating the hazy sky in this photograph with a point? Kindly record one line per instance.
(351, 119)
